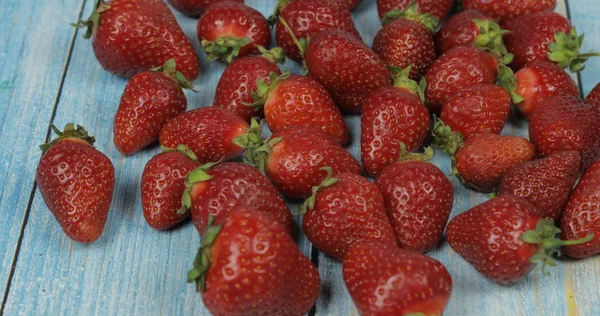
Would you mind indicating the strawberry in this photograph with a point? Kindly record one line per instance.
(391, 116)
(566, 123)
(250, 259)
(385, 280)
(344, 210)
(458, 68)
(129, 36)
(208, 132)
(484, 159)
(194, 8)
(150, 100)
(593, 98)
(231, 29)
(304, 19)
(546, 182)
(504, 10)
(581, 215)
(418, 199)
(238, 82)
(76, 182)
(298, 100)
(163, 183)
(346, 67)
(437, 8)
(348, 4)
(505, 238)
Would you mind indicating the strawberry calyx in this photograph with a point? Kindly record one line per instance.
(406, 155)
(170, 69)
(195, 176)
(309, 203)
(274, 54)
(257, 148)
(276, 13)
(412, 12)
(225, 47)
(445, 138)
(401, 79)
(264, 89)
(302, 43)
(181, 149)
(564, 51)
(71, 131)
(203, 258)
(92, 22)
(490, 37)
(507, 80)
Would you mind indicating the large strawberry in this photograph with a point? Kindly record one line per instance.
(194, 8)
(129, 36)
(163, 183)
(505, 238)
(208, 131)
(385, 280)
(231, 29)
(77, 183)
(344, 210)
(504, 10)
(349, 69)
(593, 98)
(437, 8)
(250, 259)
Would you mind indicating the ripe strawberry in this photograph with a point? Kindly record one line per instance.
(150, 100)
(163, 183)
(77, 183)
(437, 8)
(307, 18)
(483, 159)
(194, 8)
(231, 29)
(346, 67)
(456, 69)
(130, 36)
(391, 116)
(208, 132)
(566, 123)
(298, 100)
(546, 182)
(238, 82)
(348, 4)
(251, 259)
(593, 98)
(344, 210)
(505, 238)
(386, 280)
(582, 214)
(504, 10)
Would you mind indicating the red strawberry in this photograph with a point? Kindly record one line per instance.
(251, 259)
(150, 100)
(391, 116)
(546, 182)
(130, 36)
(238, 82)
(194, 8)
(505, 238)
(566, 123)
(456, 69)
(484, 159)
(231, 29)
(504, 10)
(437, 8)
(344, 210)
(77, 183)
(346, 67)
(298, 100)
(593, 98)
(582, 214)
(418, 198)
(307, 18)
(386, 280)
(349, 4)
(208, 132)
(163, 183)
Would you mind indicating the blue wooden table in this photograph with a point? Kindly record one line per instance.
(48, 75)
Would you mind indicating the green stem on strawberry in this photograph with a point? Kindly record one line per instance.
(490, 37)
(257, 147)
(401, 79)
(264, 89)
(203, 258)
(195, 176)
(309, 203)
(274, 54)
(275, 16)
(302, 43)
(406, 155)
(412, 13)
(92, 22)
(170, 69)
(506, 79)
(224, 47)
(445, 138)
(70, 131)
(564, 51)
(181, 149)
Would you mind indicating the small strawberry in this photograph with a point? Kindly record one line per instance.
(593, 98)
(208, 132)
(349, 69)
(505, 238)
(130, 36)
(385, 280)
(344, 210)
(194, 8)
(437, 8)
(231, 29)
(76, 182)
(250, 259)
(504, 10)
(163, 183)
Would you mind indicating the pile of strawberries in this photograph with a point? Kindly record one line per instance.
(453, 89)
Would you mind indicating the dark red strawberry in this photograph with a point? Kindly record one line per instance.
(163, 183)
(349, 69)
(566, 123)
(437, 8)
(231, 29)
(505, 238)
(238, 82)
(391, 116)
(130, 36)
(251, 259)
(344, 210)
(208, 131)
(483, 159)
(504, 10)
(194, 8)
(349, 4)
(76, 182)
(385, 280)
(593, 98)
